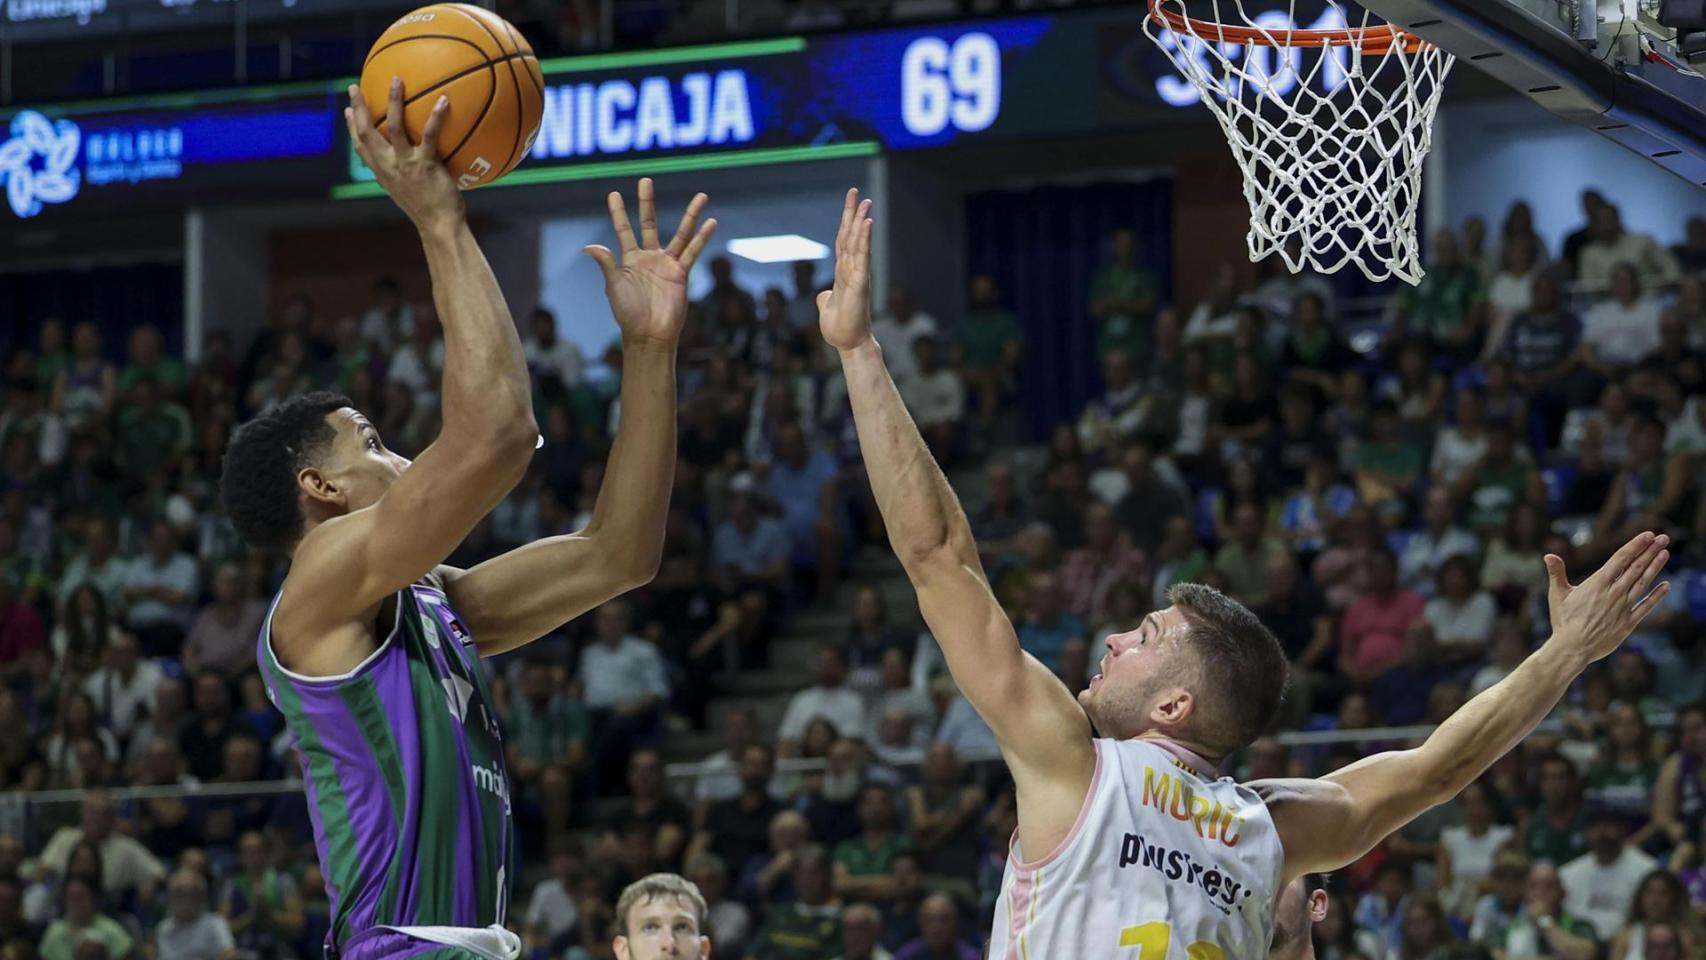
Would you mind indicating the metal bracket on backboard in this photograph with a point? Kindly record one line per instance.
(1587, 22)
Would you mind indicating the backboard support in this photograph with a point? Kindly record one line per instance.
(1608, 65)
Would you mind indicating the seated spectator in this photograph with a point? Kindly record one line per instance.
(152, 431)
(14, 926)
(190, 930)
(1323, 498)
(1423, 933)
(871, 636)
(77, 721)
(1416, 390)
(1297, 614)
(1513, 569)
(551, 911)
(1677, 355)
(1107, 558)
(1003, 514)
(1121, 409)
(938, 923)
(1442, 308)
(990, 347)
(1625, 771)
(1544, 927)
(1439, 540)
(862, 862)
(1122, 297)
(1179, 559)
(648, 811)
(1192, 429)
(84, 921)
(1608, 424)
(1651, 492)
(86, 387)
(936, 398)
(1459, 617)
(1600, 885)
(1313, 353)
(768, 878)
(22, 633)
(624, 688)
(1352, 540)
(127, 868)
(1659, 906)
(898, 328)
(167, 722)
(1372, 634)
(802, 482)
(1461, 444)
(730, 920)
(1679, 796)
(98, 564)
(807, 926)
(1497, 909)
(861, 930)
(203, 737)
(1243, 562)
(1242, 484)
(943, 813)
(1380, 913)
(719, 778)
(1619, 331)
(546, 733)
(1467, 852)
(159, 590)
(222, 636)
(829, 697)
(961, 727)
(1609, 246)
(1387, 465)
(1504, 477)
(1511, 288)
(122, 691)
(1297, 442)
(897, 697)
(1557, 830)
(1046, 626)
(261, 902)
(1244, 417)
(1153, 497)
(737, 829)
(82, 633)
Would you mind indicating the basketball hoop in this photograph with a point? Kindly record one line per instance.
(1330, 142)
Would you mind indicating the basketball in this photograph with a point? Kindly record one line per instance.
(485, 67)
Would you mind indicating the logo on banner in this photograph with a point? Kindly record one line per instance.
(39, 162)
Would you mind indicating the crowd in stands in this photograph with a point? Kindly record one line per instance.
(1386, 517)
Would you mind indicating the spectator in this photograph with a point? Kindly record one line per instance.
(214, 722)
(1439, 540)
(936, 397)
(168, 721)
(623, 686)
(545, 751)
(1468, 851)
(737, 829)
(1416, 390)
(87, 386)
(21, 631)
(1460, 445)
(1299, 440)
(828, 697)
(81, 636)
(897, 329)
(1310, 511)
(152, 432)
(96, 564)
(549, 356)
(126, 867)
(190, 930)
(1544, 927)
(1047, 626)
(260, 902)
(1151, 500)
(720, 779)
(861, 927)
(1623, 329)
(1557, 830)
(1312, 353)
(897, 700)
(1459, 618)
(730, 920)
(1423, 934)
(862, 862)
(1511, 289)
(1651, 489)
(1120, 412)
(938, 922)
(990, 349)
(661, 820)
(1443, 307)
(1380, 913)
(1679, 796)
(1609, 245)
(870, 635)
(1122, 298)
(1625, 771)
(551, 910)
(1661, 902)
(159, 589)
(123, 690)
(1504, 477)
(1372, 635)
(1297, 614)
(802, 482)
(944, 811)
(1107, 558)
(1513, 569)
(1600, 885)
(14, 926)
(222, 636)
(1388, 466)
(809, 926)
(77, 720)
(1243, 562)
(1499, 907)
(750, 552)
(83, 922)
(769, 877)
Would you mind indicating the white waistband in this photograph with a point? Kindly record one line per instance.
(493, 942)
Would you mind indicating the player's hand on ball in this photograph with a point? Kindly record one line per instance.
(844, 310)
(411, 173)
(647, 289)
(1594, 618)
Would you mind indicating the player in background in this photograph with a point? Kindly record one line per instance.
(372, 647)
(1132, 839)
(662, 916)
(1302, 903)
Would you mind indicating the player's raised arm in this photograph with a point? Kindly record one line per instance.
(533, 589)
(1328, 823)
(347, 564)
(1043, 733)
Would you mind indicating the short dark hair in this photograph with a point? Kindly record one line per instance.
(1242, 667)
(258, 475)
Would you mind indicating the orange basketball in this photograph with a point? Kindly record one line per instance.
(479, 61)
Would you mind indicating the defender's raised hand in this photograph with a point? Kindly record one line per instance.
(1594, 618)
(844, 311)
(411, 173)
(648, 288)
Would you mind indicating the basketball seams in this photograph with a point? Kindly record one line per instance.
(515, 84)
(382, 47)
(515, 141)
(484, 109)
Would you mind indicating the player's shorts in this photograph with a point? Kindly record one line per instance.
(383, 944)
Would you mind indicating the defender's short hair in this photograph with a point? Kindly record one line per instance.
(661, 885)
(1241, 667)
(258, 476)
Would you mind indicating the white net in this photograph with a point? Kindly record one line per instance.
(1329, 121)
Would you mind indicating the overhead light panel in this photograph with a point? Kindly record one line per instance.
(782, 248)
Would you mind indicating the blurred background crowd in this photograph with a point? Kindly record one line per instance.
(769, 718)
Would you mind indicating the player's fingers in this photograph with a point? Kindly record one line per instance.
(862, 240)
(362, 132)
(1649, 573)
(435, 123)
(847, 208)
(619, 220)
(684, 233)
(823, 299)
(696, 246)
(1653, 599)
(648, 215)
(394, 126)
(606, 260)
(1638, 564)
(1625, 555)
(1555, 575)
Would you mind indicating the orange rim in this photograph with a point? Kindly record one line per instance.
(1375, 40)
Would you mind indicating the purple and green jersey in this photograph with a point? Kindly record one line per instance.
(403, 766)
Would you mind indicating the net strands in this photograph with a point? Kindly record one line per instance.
(1330, 125)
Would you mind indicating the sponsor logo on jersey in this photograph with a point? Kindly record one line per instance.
(1212, 820)
(492, 780)
(1177, 866)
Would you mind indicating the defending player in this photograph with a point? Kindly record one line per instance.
(1299, 907)
(662, 917)
(1133, 840)
(372, 647)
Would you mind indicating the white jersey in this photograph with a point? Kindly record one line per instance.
(1163, 863)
